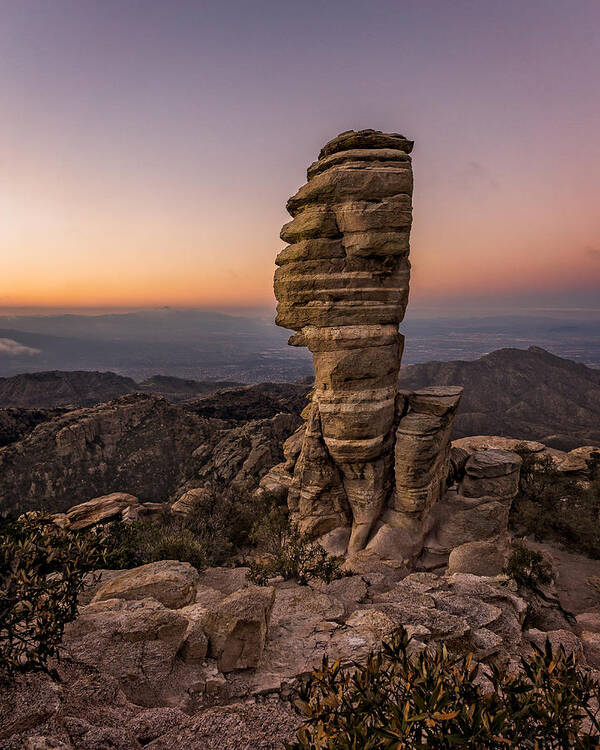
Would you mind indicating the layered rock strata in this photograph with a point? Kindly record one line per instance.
(342, 284)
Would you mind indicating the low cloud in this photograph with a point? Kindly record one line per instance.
(593, 253)
(14, 349)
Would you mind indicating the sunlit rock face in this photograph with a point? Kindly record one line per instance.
(342, 284)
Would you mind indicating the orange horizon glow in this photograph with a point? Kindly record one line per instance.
(147, 158)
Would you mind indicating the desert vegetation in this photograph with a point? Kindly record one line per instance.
(42, 572)
(296, 557)
(432, 699)
(528, 567)
(212, 532)
(552, 506)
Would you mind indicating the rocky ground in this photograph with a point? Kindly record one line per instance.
(162, 657)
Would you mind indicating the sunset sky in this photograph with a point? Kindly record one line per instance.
(147, 148)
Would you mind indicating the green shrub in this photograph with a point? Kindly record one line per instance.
(298, 558)
(123, 545)
(131, 544)
(430, 700)
(269, 532)
(222, 520)
(528, 567)
(42, 570)
(173, 543)
(554, 507)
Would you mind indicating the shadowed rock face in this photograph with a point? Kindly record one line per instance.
(342, 285)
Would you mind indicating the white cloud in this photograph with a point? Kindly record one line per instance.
(14, 349)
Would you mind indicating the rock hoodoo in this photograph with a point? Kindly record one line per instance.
(371, 459)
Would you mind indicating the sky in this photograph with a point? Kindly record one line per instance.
(147, 148)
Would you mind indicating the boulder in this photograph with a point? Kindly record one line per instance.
(170, 582)
(589, 621)
(237, 627)
(225, 580)
(100, 510)
(576, 461)
(565, 638)
(591, 647)
(88, 736)
(195, 642)
(491, 472)
(492, 463)
(276, 482)
(28, 702)
(459, 520)
(152, 723)
(495, 442)
(134, 641)
(188, 500)
(484, 558)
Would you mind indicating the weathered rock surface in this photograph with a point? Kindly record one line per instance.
(15, 424)
(482, 558)
(135, 641)
(184, 505)
(137, 672)
(170, 582)
(91, 452)
(31, 701)
(491, 472)
(244, 454)
(342, 285)
(100, 509)
(237, 627)
(421, 463)
(139, 445)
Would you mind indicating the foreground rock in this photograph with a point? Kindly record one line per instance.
(170, 582)
(134, 641)
(237, 627)
(223, 665)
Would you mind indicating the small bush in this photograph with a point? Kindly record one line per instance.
(222, 521)
(123, 545)
(528, 567)
(554, 507)
(269, 532)
(131, 544)
(298, 558)
(430, 700)
(173, 544)
(42, 570)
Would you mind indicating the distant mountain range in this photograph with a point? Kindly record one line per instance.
(83, 388)
(522, 393)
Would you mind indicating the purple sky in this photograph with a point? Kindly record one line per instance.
(148, 148)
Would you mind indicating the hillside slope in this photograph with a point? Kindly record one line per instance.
(520, 393)
(76, 388)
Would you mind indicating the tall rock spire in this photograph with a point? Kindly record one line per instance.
(342, 285)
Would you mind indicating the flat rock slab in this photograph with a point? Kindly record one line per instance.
(225, 580)
(170, 582)
(492, 463)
